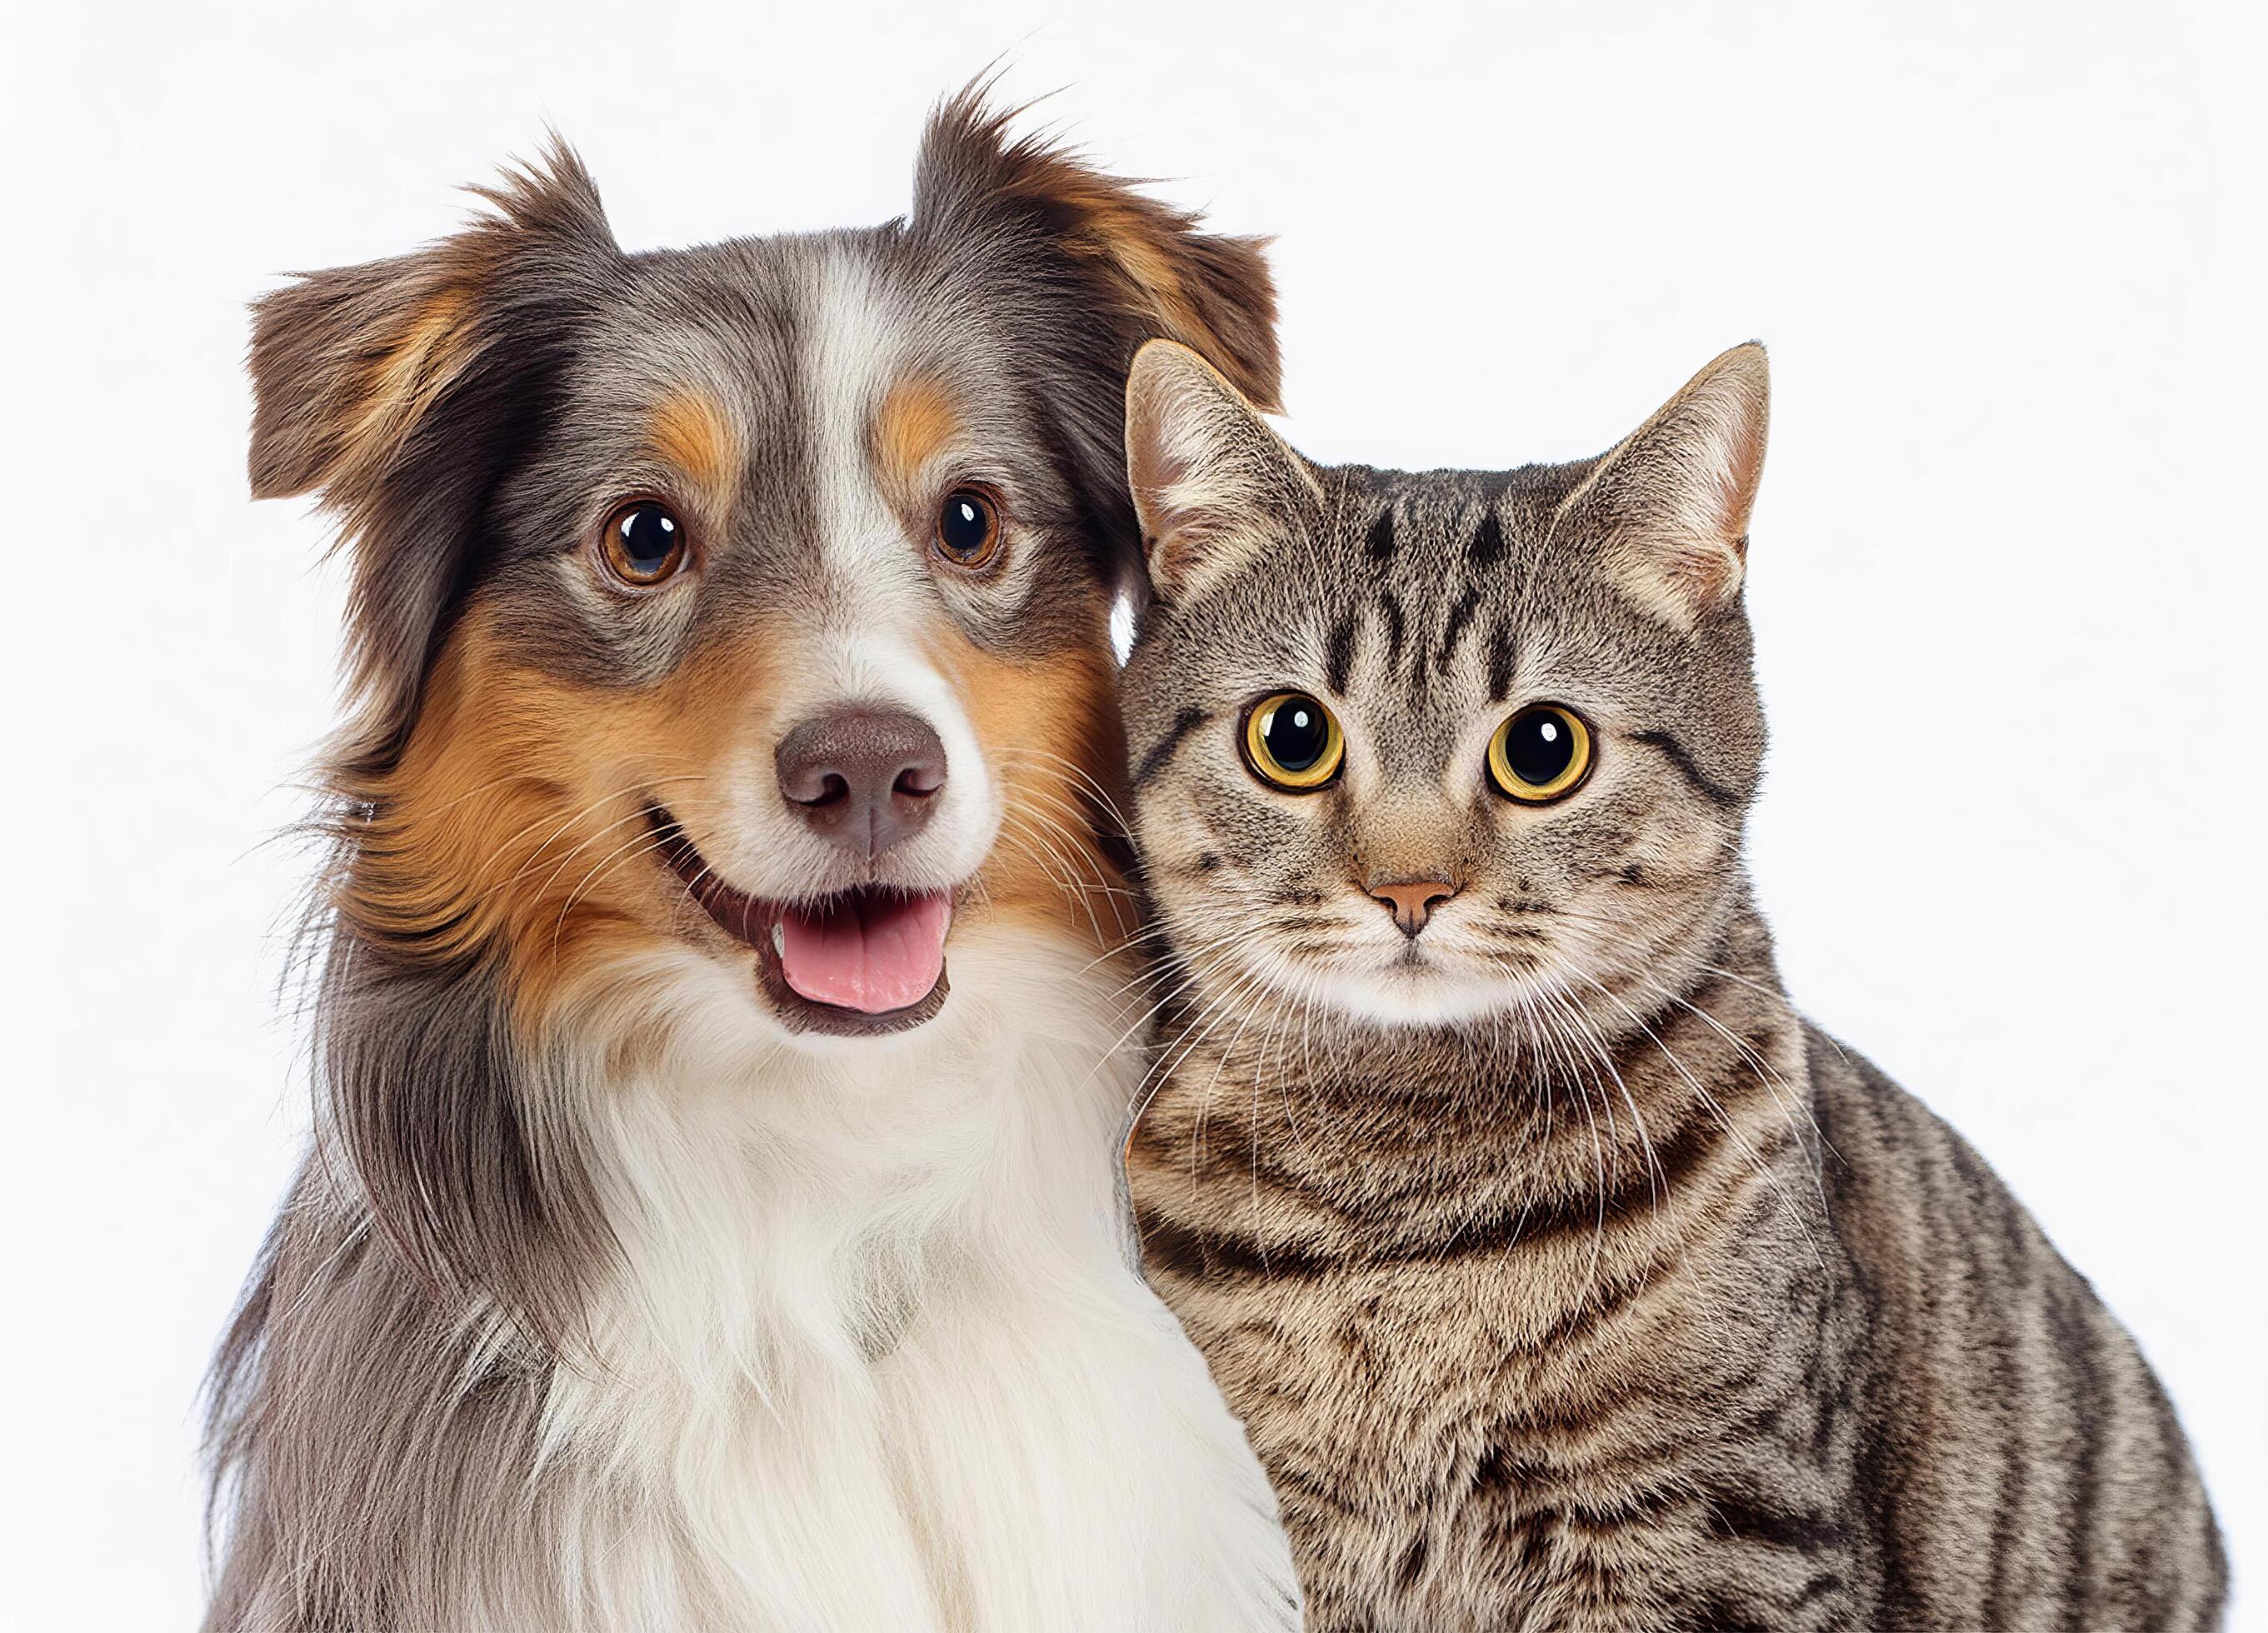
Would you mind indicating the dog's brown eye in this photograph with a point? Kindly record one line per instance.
(969, 527)
(643, 543)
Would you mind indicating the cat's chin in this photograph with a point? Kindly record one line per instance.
(1406, 998)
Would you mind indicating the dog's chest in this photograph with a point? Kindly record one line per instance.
(901, 1376)
(1004, 1464)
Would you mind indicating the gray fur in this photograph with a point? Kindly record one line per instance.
(1638, 1303)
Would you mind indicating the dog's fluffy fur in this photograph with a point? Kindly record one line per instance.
(607, 1298)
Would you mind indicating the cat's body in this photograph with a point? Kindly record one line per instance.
(1760, 1378)
(1564, 1277)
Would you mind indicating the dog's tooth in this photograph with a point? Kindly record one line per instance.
(779, 938)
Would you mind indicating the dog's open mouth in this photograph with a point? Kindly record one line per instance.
(865, 961)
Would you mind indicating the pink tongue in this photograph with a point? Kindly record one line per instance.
(873, 952)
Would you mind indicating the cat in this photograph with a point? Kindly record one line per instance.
(1563, 1276)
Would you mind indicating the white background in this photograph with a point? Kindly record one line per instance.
(2006, 569)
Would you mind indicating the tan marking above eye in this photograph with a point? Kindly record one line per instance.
(915, 423)
(692, 432)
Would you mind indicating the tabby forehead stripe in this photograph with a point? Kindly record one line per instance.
(1453, 629)
(1379, 545)
(1499, 661)
(1487, 547)
(1338, 654)
(1390, 604)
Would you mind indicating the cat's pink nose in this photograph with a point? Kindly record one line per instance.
(1411, 901)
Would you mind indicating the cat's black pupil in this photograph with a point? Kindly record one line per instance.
(964, 528)
(1295, 733)
(648, 536)
(1538, 746)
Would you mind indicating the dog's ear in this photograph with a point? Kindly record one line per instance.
(399, 391)
(1156, 274)
(1080, 269)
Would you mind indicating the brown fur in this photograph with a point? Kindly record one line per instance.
(916, 423)
(693, 432)
(512, 826)
(1054, 725)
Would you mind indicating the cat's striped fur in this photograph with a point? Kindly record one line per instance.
(1563, 1276)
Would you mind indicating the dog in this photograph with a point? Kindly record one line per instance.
(710, 1218)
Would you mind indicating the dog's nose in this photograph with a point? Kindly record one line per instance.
(1411, 901)
(865, 778)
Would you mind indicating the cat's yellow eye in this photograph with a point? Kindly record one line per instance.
(1541, 754)
(1292, 742)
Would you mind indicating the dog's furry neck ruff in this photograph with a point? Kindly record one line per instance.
(842, 1341)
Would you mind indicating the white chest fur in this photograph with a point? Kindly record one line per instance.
(877, 1359)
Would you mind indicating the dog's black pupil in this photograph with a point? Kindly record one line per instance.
(965, 528)
(1295, 733)
(1538, 746)
(648, 536)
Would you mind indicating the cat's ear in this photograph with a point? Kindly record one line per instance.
(1671, 502)
(1213, 486)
